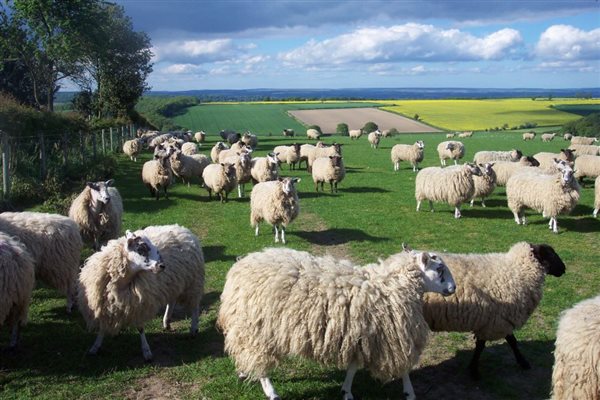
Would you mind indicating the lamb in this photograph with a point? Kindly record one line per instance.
(288, 154)
(323, 151)
(412, 153)
(188, 167)
(157, 174)
(450, 150)
(127, 282)
(200, 136)
(597, 197)
(132, 148)
(17, 279)
(482, 157)
(548, 137)
(495, 295)
(282, 302)
(313, 134)
(484, 184)
(585, 149)
(275, 202)
(550, 194)
(98, 210)
(505, 169)
(189, 148)
(265, 168)
(288, 132)
(450, 135)
(576, 372)
(242, 163)
(328, 169)
(465, 134)
(568, 136)
(219, 178)
(374, 138)
(54, 243)
(546, 159)
(217, 148)
(449, 185)
(529, 135)
(583, 140)
(250, 140)
(355, 133)
(587, 166)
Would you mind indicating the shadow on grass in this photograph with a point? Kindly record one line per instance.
(216, 253)
(313, 195)
(332, 237)
(364, 189)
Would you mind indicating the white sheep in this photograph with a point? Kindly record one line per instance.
(157, 173)
(55, 244)
(306, 151)
(413, 153)
(482, 157)
(452, 185)
(132, 148)
(313, 134)
(374, 138)
(132, 278)
(200, 136)
(275, 202)
(546, 159)
(160, 139)
(189, 148)
(548, 137)
(529, 135)
(219, 178)
(242, 163)
(583, 140)
(597, 197)
(450, 135)
(17, 279)
(217, 148)
(568, 136)
(328, 169)
(550, 194)
(234, 151)
(465, 134)
(188, 167)
(587, 166)
(505, 169)
(282, 302)
(355, 133)
(265, 168)
(484, 184)
(250, 140)
(288, 154)
(98, 210)
(450, 150)
(582, 149)
(323, 151)
(495, 295)
(576, 371)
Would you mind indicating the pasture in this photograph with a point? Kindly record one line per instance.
(373, 213)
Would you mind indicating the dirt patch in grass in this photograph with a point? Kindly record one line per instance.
(323, 240)
(156, 387)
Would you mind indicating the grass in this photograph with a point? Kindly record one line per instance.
(370, 217)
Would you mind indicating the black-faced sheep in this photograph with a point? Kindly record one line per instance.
(484, 184)
(230, 136)
(546, 159)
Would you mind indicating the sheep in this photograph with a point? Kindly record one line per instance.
(127, 282)
(582, 149)
(188, 167)
(546, 159)
(17, 279)
(219, 178)
(157, 173)
(234, 151)
(132, 148)
(548, 137)
(374, 138)
(495, 295)
(529, 135)
(449, 185)
(355, 133)
(250, 140)
(450, 135)
(576, 371)
(200, 136)
(230, 136)
(189, 148)
(239, 145)
(482, 157)
(275, 202)
(242, 163)
(288, 154)
(98, 210)
(597, 197)
(465, 134)
(386, 133)
(550, 194)
(55, 244)
(313, 134)
(265, 168)
(306, 150)
(567, 136)
(288, 132)
(484, 184)
(217, 148)
(323, 151)
(505, 169)
(413, 153)
(587, 166)
(583, 140)
(328, 169)
(282, 302)
(159, 140)
(450, 150)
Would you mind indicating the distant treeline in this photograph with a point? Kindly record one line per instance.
(158, 111)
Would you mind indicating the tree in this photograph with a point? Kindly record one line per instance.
(342, 129)
(416, 117)
(370, 127)
(83, 103)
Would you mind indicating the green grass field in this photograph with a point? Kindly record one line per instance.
(373, 213)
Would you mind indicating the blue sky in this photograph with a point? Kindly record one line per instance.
(240, 44)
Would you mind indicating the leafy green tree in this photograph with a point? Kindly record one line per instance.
(370, 127)
(83, 103)
(342, 129)
(317, 127)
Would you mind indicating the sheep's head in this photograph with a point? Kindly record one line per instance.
(99, 191)
(336, 161)
(177, 155)
(245, 158)
(220, 146)
(420, 144)
(548, 258)
(529, 161)
(450, 146)
(486, 169)
(569, 154)
(288, 185)
(142, 254)
(296, 147)
(473, 168)
(515, 155)
(436, 274)
(337, 147)
(229, 170)
(272, 159)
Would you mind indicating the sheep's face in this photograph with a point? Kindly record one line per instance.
(516, 155)
(486, 169)
(436, 274)
(530, 161)
(245, 159)
(420, 144)
(450, 146)
(142, 254)
(272, 159)
(99, 191)
(567, 174)
(475, 170)
(338, 148)
(229, 170)
(336, 161)
(288, 185)
(569, 154)
(296, 147)
(548, 258)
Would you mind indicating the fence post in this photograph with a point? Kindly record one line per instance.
(103, 143)
(94, 145)
(111, 140)
(65, 149)
(5, 169)
(43, 170)
(122, 138)
(81, 148)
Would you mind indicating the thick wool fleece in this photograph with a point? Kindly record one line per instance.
(188, 167)
(268, 202)
(587, 166)
(481, 157)
(324, 170)
(282, 302)
(132, 147)
(546, 159)
(581, 149)
(287, 154)
(334, 150)
(220, 179)
(157, 176)
(407, 152)
(583, 140)
(263, 171)
(484, 184)
(104, 224)
(452, 185)
(505, 169)
(456, 153)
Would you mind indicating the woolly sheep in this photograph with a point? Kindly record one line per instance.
(132, 148)
(484, 184)
(548, 137)
(450, 135)
(482, 157)
(495, 295)
(587, 166)
(188, 167)
(217, 148)
(157, 173)
(505, 169)
(355, 133)
(568, 136)
(17, 279)
(450, 150)
(386, 133)
(98, 210)
(282, 302)
(597, 196)
(448, 185)
(275, 202)
(189, 148)
(328, 169)
(546, 159)
(159, 140)
(200, 136)
(129, 281)
(306, 151)
(529, 135)
(582, 149)
(288, 132)
(323, 151)
(219, 178)
(374, 138)
(413, 153)
(313, 134)
(583, 140)
(265, 168)
(576, 372)
(242, 162)
(55, 244)
(233, 151)
(550, 194)
(288, 154)
(465, 134)
(250, 140)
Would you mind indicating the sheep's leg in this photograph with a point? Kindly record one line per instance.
(550, 223)
(472, 202)
(512, 342)
(209, 194)
(195, 317)
(71, 297)
(276, 234)
(282, 232)
(96, 346)
(517, 217)
(473, 365)
(396, 166)
(409, 392)
(595, 213)
(166, 194)
(414, 168)
(14, 336)
(167, 317)
(430, 205)
(256, 230)
(442, 162)
(317, 187)
(418, 205)
(145, 346)
(555, 225)
(455, 162)
(457, 212)
(335, 186)
(482, 202)
(239, 190)
(268, 388)
(347, 386)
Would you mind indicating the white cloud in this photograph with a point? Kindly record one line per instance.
(565, 42)
(181, 69)
(196, 50)
(570, 66)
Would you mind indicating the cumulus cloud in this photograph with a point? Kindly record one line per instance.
(182, 69)
(565, 42)
(198, 50)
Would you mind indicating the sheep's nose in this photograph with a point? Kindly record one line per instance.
(161, 266)
(449, 290)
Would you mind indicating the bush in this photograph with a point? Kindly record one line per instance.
(586, 126)
(342, 129)
(394, 132)
(317, 127)
(370, 127)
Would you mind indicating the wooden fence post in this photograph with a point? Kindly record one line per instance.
(43, 169)
(103, 143)
(111, 140)
(65, 149)
(5, 169)
(122, 138)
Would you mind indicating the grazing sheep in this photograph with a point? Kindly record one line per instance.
(550, 194)
(529, 135)
(576, 372)
(450, 150)
(234, 151)
(219, 178)
(242, 163)
(323, 151)
(265, 168)
(157, 173)
(548, 137)
(250, 140)
(200, 136)
(495, 295)
(98, 210)
(288, 154)
(484, 184)
(217, 148)
(582, 149)
(505, 169)
(313, 134)
(583, 140)
(587, 166)
(189, 148)
(17, 279)
(546, 159)
(282, 302)
(328, 169)
(386, 133)
(597, 197)
(230, 137)
(448, 185)
(275, 202)
(132, 278)
(568, 136)
(355, 133)
(188, 167)
(374, 138)
(465, 134)
(306, 150)
(450, 135)
(54, 243)
(288, 132)
(132, 148)
(481, 157)
(413, 153)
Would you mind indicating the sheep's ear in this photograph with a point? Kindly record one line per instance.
(91, 185)
(491, 164)
(280, 179)
(295, 180)
(406, 247)
(131, 237)
(110, 182)
(424, 259)
(331, 157)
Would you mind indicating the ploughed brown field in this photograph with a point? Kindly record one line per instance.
(356, 118)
